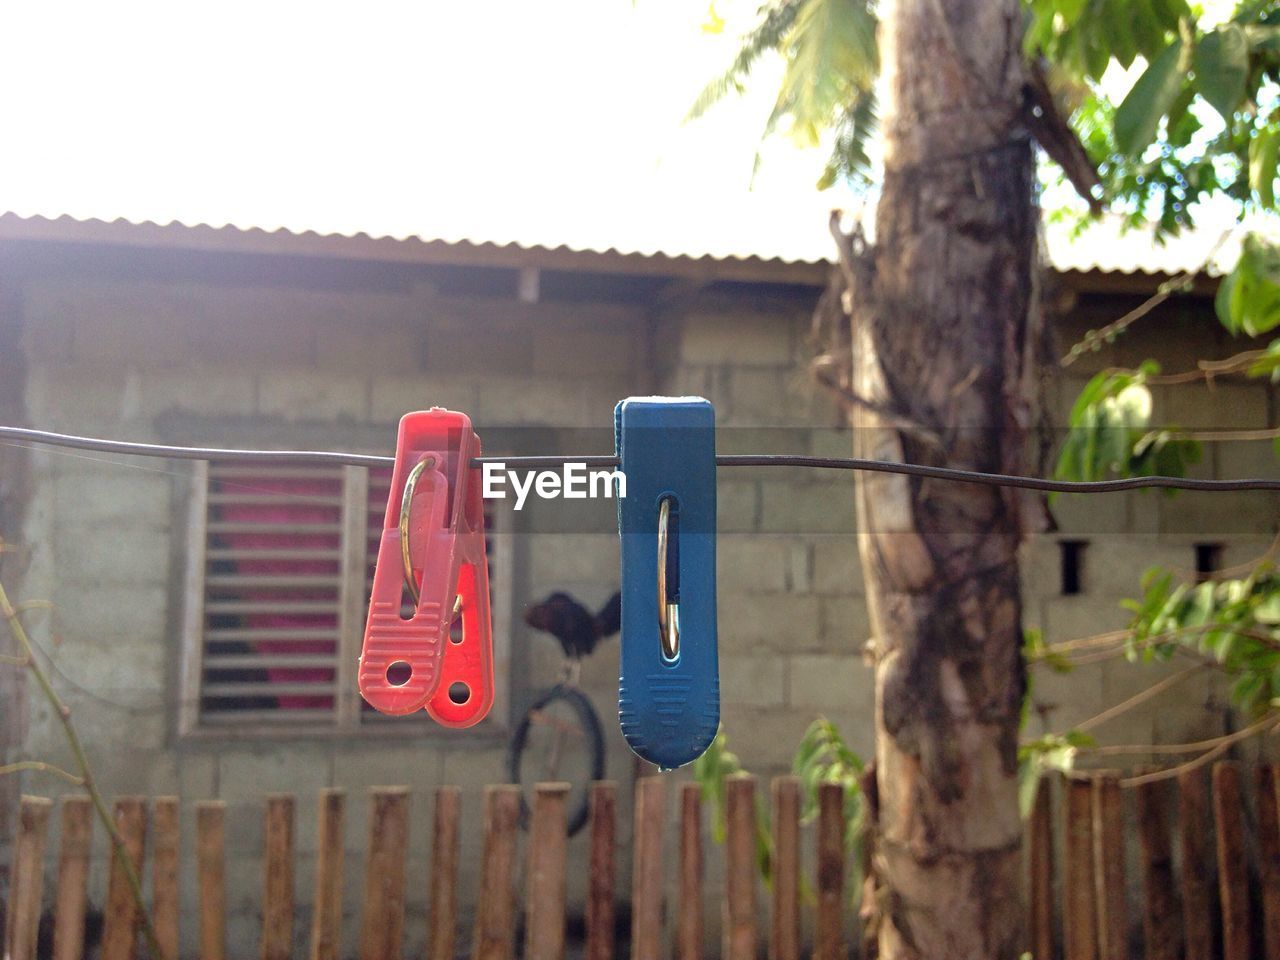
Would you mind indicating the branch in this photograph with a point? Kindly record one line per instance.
(1139, 698)
(1162, 748)
(40, 766)
(1226, 435)
(1224, 743)
(86, 779)
(1095, 338)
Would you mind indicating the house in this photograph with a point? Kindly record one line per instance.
(182, 590)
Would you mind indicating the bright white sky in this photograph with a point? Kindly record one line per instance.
(549, 121)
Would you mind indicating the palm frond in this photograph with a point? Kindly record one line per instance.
(776, 21)
(849, 160)
(831, 57)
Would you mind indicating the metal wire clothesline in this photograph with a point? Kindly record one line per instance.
(333, 457)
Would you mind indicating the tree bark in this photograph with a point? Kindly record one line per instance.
(942, 340)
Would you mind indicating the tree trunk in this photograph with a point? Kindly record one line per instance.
(942, 356)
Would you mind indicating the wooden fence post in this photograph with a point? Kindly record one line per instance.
(1079, 916)
(211, 877)
(1109, 873)
(165, 855)
(689, 898)
(548, 841)
(784, 931)
(1267, 789)
(602, 871)
(740, 868)
(1233, 869)
(382, 917)
(495, 908)
(1040, 862)
(75, 846)
(27, 879)
(646, 862)
(1197, 865)
(277, 878)
(121, 918)
(1160, 925)
(829, 940)
(442, 935)
(326, 916)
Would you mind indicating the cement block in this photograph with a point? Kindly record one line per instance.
(753, 681)
(837, 568)
(1207, 517)
(394, 395)
(830, 441)
(1086, 515)
(764, 738)
(205, 390)
(763, 396)
(133, 499)
(143, 325)
(806, 507)
(750, 564)
(1225, 406)
(691, 381)
(737, 505)
(76, 397)
(1082, 615)
(585, 352)
(845, 624)
(522, 401)
(800, 567)
(775, 621)
(839, 681)
(1113, 566)
(486, 348)
(1062, 700)
(111, 553)
(582, 557)
(365, 348)
(741, 339)
(246, 773)
(307, 395)
(99, 613)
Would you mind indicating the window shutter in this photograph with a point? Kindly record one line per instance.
(272, 595)
(278, 583)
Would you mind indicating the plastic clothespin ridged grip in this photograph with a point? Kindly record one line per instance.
(669, 683)
(423, 661)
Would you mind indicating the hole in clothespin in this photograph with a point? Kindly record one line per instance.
(459, 692)
(669, 578)
(398, 673)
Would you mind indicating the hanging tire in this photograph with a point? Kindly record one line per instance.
(558, 739)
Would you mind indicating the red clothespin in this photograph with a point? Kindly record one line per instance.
(433, 549)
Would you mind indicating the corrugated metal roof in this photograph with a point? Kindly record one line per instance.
(746, 248)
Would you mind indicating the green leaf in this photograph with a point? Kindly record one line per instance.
(1264, 150)
(1268, 364)
(1248, 300)
(1221, 63)
(1138, 117)
(1118, 19)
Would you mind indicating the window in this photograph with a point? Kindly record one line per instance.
(280, 567)
(1208, 560)
(1071, 553)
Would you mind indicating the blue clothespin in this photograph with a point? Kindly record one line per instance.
(669, 684)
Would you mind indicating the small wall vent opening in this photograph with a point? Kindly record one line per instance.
(1072, 562)
(1208, 560)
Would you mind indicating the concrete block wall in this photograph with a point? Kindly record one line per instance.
(238, 362)
(243, 363)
